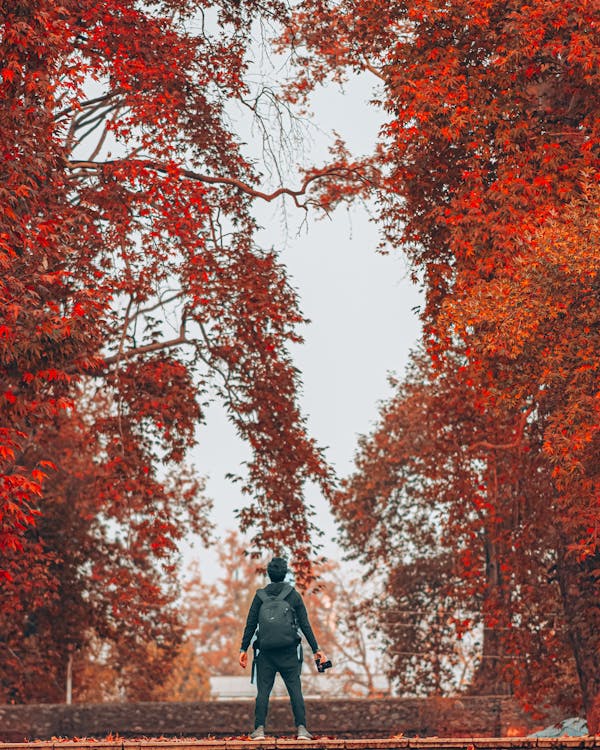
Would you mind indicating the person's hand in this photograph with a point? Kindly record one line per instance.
(243, 659)
(320, 656)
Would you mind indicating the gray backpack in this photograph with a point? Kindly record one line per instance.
(277, 626)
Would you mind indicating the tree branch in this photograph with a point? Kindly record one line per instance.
(160, 303)
(372, 69)
(83, 105)
(156, 346)
(211, 180)
(513, 443)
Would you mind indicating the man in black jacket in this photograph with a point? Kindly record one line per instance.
(284, 660)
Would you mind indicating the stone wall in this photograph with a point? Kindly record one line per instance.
(386, 717)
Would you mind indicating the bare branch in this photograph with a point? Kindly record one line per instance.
(160, 303)
(87, 103)
(92, 113)
(156, 346)
(95, 122)
(99, 145)
(372, 69)
(125, 327)
(496, 446)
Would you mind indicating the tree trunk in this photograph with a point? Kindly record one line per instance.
(488, 678)
(579, 582)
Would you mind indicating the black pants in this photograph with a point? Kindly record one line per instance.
(268, 663)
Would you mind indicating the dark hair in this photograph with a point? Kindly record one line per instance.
(277, 569)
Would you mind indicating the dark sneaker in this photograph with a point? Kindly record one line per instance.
(258, 734)
(303, 733)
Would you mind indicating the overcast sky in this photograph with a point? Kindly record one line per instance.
(362, 324)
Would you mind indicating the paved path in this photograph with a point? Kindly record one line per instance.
(323, 743)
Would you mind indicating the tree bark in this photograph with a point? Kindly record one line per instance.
(579, 581)
(488, 678)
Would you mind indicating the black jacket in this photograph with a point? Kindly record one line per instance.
(295, 601)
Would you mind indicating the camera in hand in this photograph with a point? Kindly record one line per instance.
(323, 665)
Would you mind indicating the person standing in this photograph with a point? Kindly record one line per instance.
(277, 611)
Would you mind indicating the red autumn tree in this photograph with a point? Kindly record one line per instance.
(492, 130)
(106, 542)
(459, 524)
(132, 292)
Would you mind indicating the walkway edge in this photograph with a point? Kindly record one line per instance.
(324, 743)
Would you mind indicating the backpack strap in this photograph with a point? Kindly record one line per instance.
(285, 591)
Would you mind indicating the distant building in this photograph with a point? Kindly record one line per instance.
(239, 687)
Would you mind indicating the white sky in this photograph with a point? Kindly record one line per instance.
(362, 325)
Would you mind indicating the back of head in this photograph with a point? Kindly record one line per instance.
(277, 569)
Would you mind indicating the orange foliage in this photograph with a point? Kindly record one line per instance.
(486, 174)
